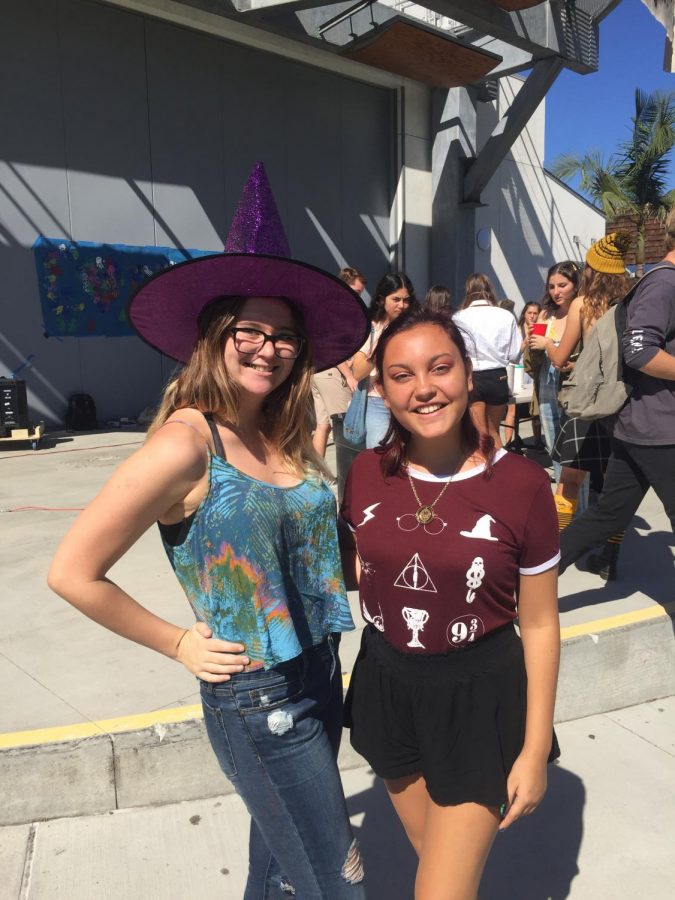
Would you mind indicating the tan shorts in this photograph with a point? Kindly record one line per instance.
(331, 395)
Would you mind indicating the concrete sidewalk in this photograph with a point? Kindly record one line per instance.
(604, 831)
(91, 723)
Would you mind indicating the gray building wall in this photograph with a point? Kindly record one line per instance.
(123, 129)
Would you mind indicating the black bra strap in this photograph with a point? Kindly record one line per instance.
(217, 442)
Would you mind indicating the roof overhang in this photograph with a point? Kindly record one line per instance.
(413, 50)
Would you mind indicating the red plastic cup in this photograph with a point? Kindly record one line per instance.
(539, 328)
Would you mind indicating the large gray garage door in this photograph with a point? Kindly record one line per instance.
(120, 129)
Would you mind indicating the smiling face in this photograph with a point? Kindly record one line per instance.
(560, 289)
(260, 372)
(425, 383)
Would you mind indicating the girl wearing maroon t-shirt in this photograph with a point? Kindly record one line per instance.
(446, 703)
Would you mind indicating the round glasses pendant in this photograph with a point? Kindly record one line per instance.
(424, 515)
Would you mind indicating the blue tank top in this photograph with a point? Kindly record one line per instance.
(260, 564)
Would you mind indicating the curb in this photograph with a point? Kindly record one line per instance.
(165, 757)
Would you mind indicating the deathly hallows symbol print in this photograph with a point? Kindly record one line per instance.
(415, 577)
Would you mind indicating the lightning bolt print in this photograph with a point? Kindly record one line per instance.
(368, 514)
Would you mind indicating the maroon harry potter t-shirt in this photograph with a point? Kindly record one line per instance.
(431, 588)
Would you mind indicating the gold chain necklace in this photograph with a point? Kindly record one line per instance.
(426, 511)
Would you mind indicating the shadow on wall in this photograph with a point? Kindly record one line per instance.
(533, 212)
(558, 229)
(452, 238)
(528, 212)
(122, 373)
(149, 155)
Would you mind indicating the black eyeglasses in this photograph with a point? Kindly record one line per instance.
(251, 340)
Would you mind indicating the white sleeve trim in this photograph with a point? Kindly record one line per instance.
(544, 567)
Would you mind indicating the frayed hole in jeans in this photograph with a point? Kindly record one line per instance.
(287, 888)
(352, 871)
(280, 721)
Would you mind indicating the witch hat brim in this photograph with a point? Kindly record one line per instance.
(165, 309)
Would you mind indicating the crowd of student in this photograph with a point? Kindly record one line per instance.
(547, 338)
(441, 528)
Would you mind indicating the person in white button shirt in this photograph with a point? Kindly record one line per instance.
(493, 341)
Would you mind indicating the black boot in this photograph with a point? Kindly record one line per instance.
(604, 563)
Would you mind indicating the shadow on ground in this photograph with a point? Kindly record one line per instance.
(389, 860)
(645, 565)
(536, 859)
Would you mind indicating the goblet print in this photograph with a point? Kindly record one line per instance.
(415, 619)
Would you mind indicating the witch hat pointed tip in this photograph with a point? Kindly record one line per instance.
(256, 227)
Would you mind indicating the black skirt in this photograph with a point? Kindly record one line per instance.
(584, 445)
(457, 719)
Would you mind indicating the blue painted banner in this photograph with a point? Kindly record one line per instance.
(84, 287)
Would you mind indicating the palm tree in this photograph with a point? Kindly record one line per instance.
(632, 182)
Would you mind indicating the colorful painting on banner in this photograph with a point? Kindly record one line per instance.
(84, 287)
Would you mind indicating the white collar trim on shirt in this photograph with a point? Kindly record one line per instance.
(470, 473)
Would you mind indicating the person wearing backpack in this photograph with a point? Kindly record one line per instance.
(643, 442)
(583, 446)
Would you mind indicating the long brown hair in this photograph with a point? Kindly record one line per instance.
(206, 385)
(478, 287)
(521, 320)
(569, 270)
(600, 290)
(389, 284)
(438, 297)
(394, 445)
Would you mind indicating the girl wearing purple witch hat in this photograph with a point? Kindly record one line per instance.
(229, 473)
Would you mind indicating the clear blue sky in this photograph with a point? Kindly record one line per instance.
(587, 112)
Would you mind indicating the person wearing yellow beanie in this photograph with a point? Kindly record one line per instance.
(608, 255)
(643, 437)
(583, 448)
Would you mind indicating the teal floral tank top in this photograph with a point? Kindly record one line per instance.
(260, 564)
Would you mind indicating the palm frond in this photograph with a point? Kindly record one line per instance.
(653, 132)
(669, 200)
(632, 181)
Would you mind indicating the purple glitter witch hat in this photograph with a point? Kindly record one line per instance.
(256, 227)
(256, 263)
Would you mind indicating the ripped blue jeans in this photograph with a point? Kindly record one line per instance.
(276, 735)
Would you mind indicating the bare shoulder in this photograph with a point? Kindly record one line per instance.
(181, 444)
(173, 462)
